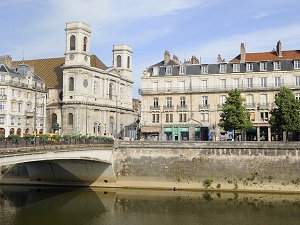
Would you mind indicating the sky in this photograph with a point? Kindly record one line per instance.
(35, 29)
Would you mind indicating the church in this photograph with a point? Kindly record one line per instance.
(84, 96)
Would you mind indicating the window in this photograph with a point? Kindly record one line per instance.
(249, 82)
(128, 62)
(249, 67)
(2, 105)
(277, 81)
(223, 68)
(84, 43)
(155, 118)
(110, 91)
(204, 117)
(252, 116)
(71, 84)
(2, 91)
(222, 99)
(182, 70)
(276, 65)
(70, 119)
(264, 116)
(2, 119)
(119, 61)
(297, 96)
(263, 99)
(13, 106)
(297, 81)
(223, 83)
(169, 102)
(249, 100)
(169, 118)
(168, 85)
(169, 70)
(72, 42)
(155, 71)
(296, 65)
(204, 69)
(204, 84)
(263, 82)
(182, 117)
(181, 85)
(236, 67)
(204, 100)
(19, 107)
(19, 93)
(12, 120)
(2, 78)
(263, 66)
(155, 86)
(182, 101)
(155, 102)
(236, 82)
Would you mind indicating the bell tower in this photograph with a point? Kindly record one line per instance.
(122, 60)
(77, 44)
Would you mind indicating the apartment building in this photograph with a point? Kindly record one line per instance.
(22, 99)
(183, 101)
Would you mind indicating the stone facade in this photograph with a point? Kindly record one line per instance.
(183, 100)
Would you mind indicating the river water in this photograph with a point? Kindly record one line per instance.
(22, 205)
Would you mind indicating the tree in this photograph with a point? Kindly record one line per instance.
(285, 116)
(234, 115)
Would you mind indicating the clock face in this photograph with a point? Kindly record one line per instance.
(85, 83)
(71, 56)
(85, 58)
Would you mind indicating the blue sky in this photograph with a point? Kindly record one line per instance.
(184, 28)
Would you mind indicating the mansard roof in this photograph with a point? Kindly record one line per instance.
(268, 56)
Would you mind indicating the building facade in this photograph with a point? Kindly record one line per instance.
(183, 101)
(84, 96)
(22, 99)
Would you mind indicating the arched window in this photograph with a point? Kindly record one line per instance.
(54, 118)
(70, 119)
(128, 62)
(95, 87)
(71, 84)
(110, 90)
(84, 43)
(119, 61)
(72, 42)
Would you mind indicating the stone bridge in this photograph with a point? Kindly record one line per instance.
(58, 164)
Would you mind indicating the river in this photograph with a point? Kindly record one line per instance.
(23, 205)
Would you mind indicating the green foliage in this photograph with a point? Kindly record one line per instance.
(286, 117)
(234, 115)
(56, 137)
(14, 137)
(66, 137)
(45, 137)
(29, 137)
(218, 185)
(207, 183)
(76, 137)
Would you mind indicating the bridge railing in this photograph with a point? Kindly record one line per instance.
(25, 142)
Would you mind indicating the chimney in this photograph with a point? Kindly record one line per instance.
(166, 57)
(175, 59)
(219, 59)
(6, 59)
(194, 60)
(243, 53)
(278, 49)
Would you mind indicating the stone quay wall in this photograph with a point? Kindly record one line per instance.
(232, 164)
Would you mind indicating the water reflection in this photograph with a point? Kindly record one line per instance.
(31, 205)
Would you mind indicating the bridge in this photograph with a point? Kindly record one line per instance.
(82, 165)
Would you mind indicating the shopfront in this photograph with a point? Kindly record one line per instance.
(201, 133)
(176, 133)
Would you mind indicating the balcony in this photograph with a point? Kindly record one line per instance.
(204, 107)
(155, 108)
(220, 107)
(263, 106)
(29, 113)
(181, 108)
(250, 106)
(3, 96)
(168, 108)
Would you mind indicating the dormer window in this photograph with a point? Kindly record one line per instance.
(223, 68)
(155, 71)
(236, 67)
(297, 64)
(204, 69)
(182, 70)
(263, 66)
(277, 65)
(169, 70)
(249, 67)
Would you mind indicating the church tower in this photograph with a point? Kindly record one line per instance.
(122, 60)
(77, 44)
